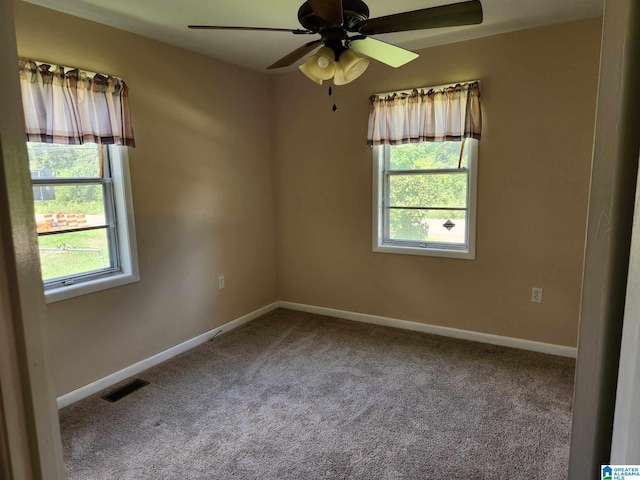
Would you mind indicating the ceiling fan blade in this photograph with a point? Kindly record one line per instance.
(297, 54)
(259, 29)
(465, 13)
(384, 52)
(329, 11)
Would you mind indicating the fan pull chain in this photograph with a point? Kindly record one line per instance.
(332, 92)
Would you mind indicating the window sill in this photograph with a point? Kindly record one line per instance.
(426, 252)
(70, 291)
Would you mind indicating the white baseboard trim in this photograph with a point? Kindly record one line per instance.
(136, 368)
(109, 380)
(519, 343)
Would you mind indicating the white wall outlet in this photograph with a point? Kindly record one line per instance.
(536, 295)
(221, 282)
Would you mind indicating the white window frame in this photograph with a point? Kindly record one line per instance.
(381, 245)
(127, 270)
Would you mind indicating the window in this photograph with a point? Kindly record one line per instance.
(84, 218)
(424, 202)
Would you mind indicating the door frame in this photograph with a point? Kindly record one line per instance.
(30, 446)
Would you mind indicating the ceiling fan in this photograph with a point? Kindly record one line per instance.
(344, 27)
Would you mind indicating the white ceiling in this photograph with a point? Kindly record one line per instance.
(167, 20)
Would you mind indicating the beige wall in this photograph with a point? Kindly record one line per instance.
(202, 180)
(538, 96)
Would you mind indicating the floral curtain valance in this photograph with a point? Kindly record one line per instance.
(71, 107)
(449, 113)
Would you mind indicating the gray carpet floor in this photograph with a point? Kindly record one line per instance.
(300, 396)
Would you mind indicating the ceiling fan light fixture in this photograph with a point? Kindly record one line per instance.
(304, 68)
(349, 67)
(320, 65)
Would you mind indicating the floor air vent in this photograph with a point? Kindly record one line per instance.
(125, 390)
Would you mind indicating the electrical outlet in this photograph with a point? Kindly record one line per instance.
(536, 295)
(221, 282)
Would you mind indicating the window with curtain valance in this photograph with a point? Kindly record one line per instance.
(78, 128)
(436, 115)
(69, 106)
(425, 178)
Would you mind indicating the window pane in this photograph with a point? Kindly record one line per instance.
(63, 207)
(49, 160)
(445, 226)
(433, 190)
(66, 254)
(427, 155)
